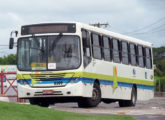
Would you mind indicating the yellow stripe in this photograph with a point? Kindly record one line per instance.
(93, 76)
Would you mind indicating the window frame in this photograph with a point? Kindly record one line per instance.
(125, 52)
(107, 48)
(135, 54)
(148, 57)
(86, 58)
(96, 46)
(117, 50)
(142, 56)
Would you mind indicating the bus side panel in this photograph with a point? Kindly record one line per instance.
(127, 76)
(102, 72)
(121, 90)
(145, 94)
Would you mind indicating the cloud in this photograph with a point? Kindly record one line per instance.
(122, 15)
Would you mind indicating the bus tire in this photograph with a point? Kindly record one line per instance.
(39, 102)
(43, 104)
(123, 103)
(132, 102)
(94, 100)
(33, 101)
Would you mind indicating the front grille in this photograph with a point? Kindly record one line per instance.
(41, 94)
(55, 75)
(51, 79)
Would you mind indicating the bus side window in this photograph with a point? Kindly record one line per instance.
(86, 47)
(144, 56)
(106, 49)
(148, 58)
(124, 50)
(151, 57)
(133, 54)
(116, 55)
(140, 56)
(96, 46)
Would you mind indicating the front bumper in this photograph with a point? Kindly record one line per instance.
(70, 90)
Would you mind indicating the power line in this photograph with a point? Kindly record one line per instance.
(154, 30)
(145, 27)
(149, 32)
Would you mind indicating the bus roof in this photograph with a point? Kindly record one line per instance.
(114, 34)
(106, 32)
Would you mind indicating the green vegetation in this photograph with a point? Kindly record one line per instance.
(12, 111)
(160, 83)
(159, 61)
(8, 60)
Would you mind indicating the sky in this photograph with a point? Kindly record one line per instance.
(142, 19)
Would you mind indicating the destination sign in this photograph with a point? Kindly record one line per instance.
(48, 28)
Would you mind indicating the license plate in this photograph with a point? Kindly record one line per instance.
(47, 91)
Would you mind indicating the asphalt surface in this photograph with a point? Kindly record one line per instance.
(144, 110)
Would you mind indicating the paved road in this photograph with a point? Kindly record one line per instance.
(146, 110)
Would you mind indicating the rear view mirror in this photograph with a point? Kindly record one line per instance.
(11, 43)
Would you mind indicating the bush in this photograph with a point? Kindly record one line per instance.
(162, 83)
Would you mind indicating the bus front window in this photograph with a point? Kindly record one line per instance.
(64, 52)
(49, 53)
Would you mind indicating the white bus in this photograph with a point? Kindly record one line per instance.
(75, 62)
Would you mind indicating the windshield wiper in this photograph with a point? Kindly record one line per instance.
(57, 39)
(38, 44)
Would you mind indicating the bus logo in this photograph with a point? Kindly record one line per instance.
(145, 75)
(134, 72)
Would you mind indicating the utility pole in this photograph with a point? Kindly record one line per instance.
(99, 25)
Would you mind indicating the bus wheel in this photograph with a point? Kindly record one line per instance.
(132, 102)
(33, 101)
(43, 104)
(39, 102)
(94, 100)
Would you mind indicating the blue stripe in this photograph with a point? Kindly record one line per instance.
(88, 81)
(145, 87)
(125, 84)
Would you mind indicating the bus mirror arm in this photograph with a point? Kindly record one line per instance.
(11, 41)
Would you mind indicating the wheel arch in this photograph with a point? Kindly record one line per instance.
(135, 87)
(96, 82)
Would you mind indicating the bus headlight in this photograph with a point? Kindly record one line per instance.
(21, 81)
(25, 83)
(77, 79)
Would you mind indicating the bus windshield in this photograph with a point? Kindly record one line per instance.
(49, 53)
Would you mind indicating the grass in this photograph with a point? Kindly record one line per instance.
(13, 111)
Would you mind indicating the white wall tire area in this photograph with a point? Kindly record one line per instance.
(129, 103)
(94, 100)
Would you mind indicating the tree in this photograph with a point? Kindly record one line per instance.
(8, 60)
(163, 66)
